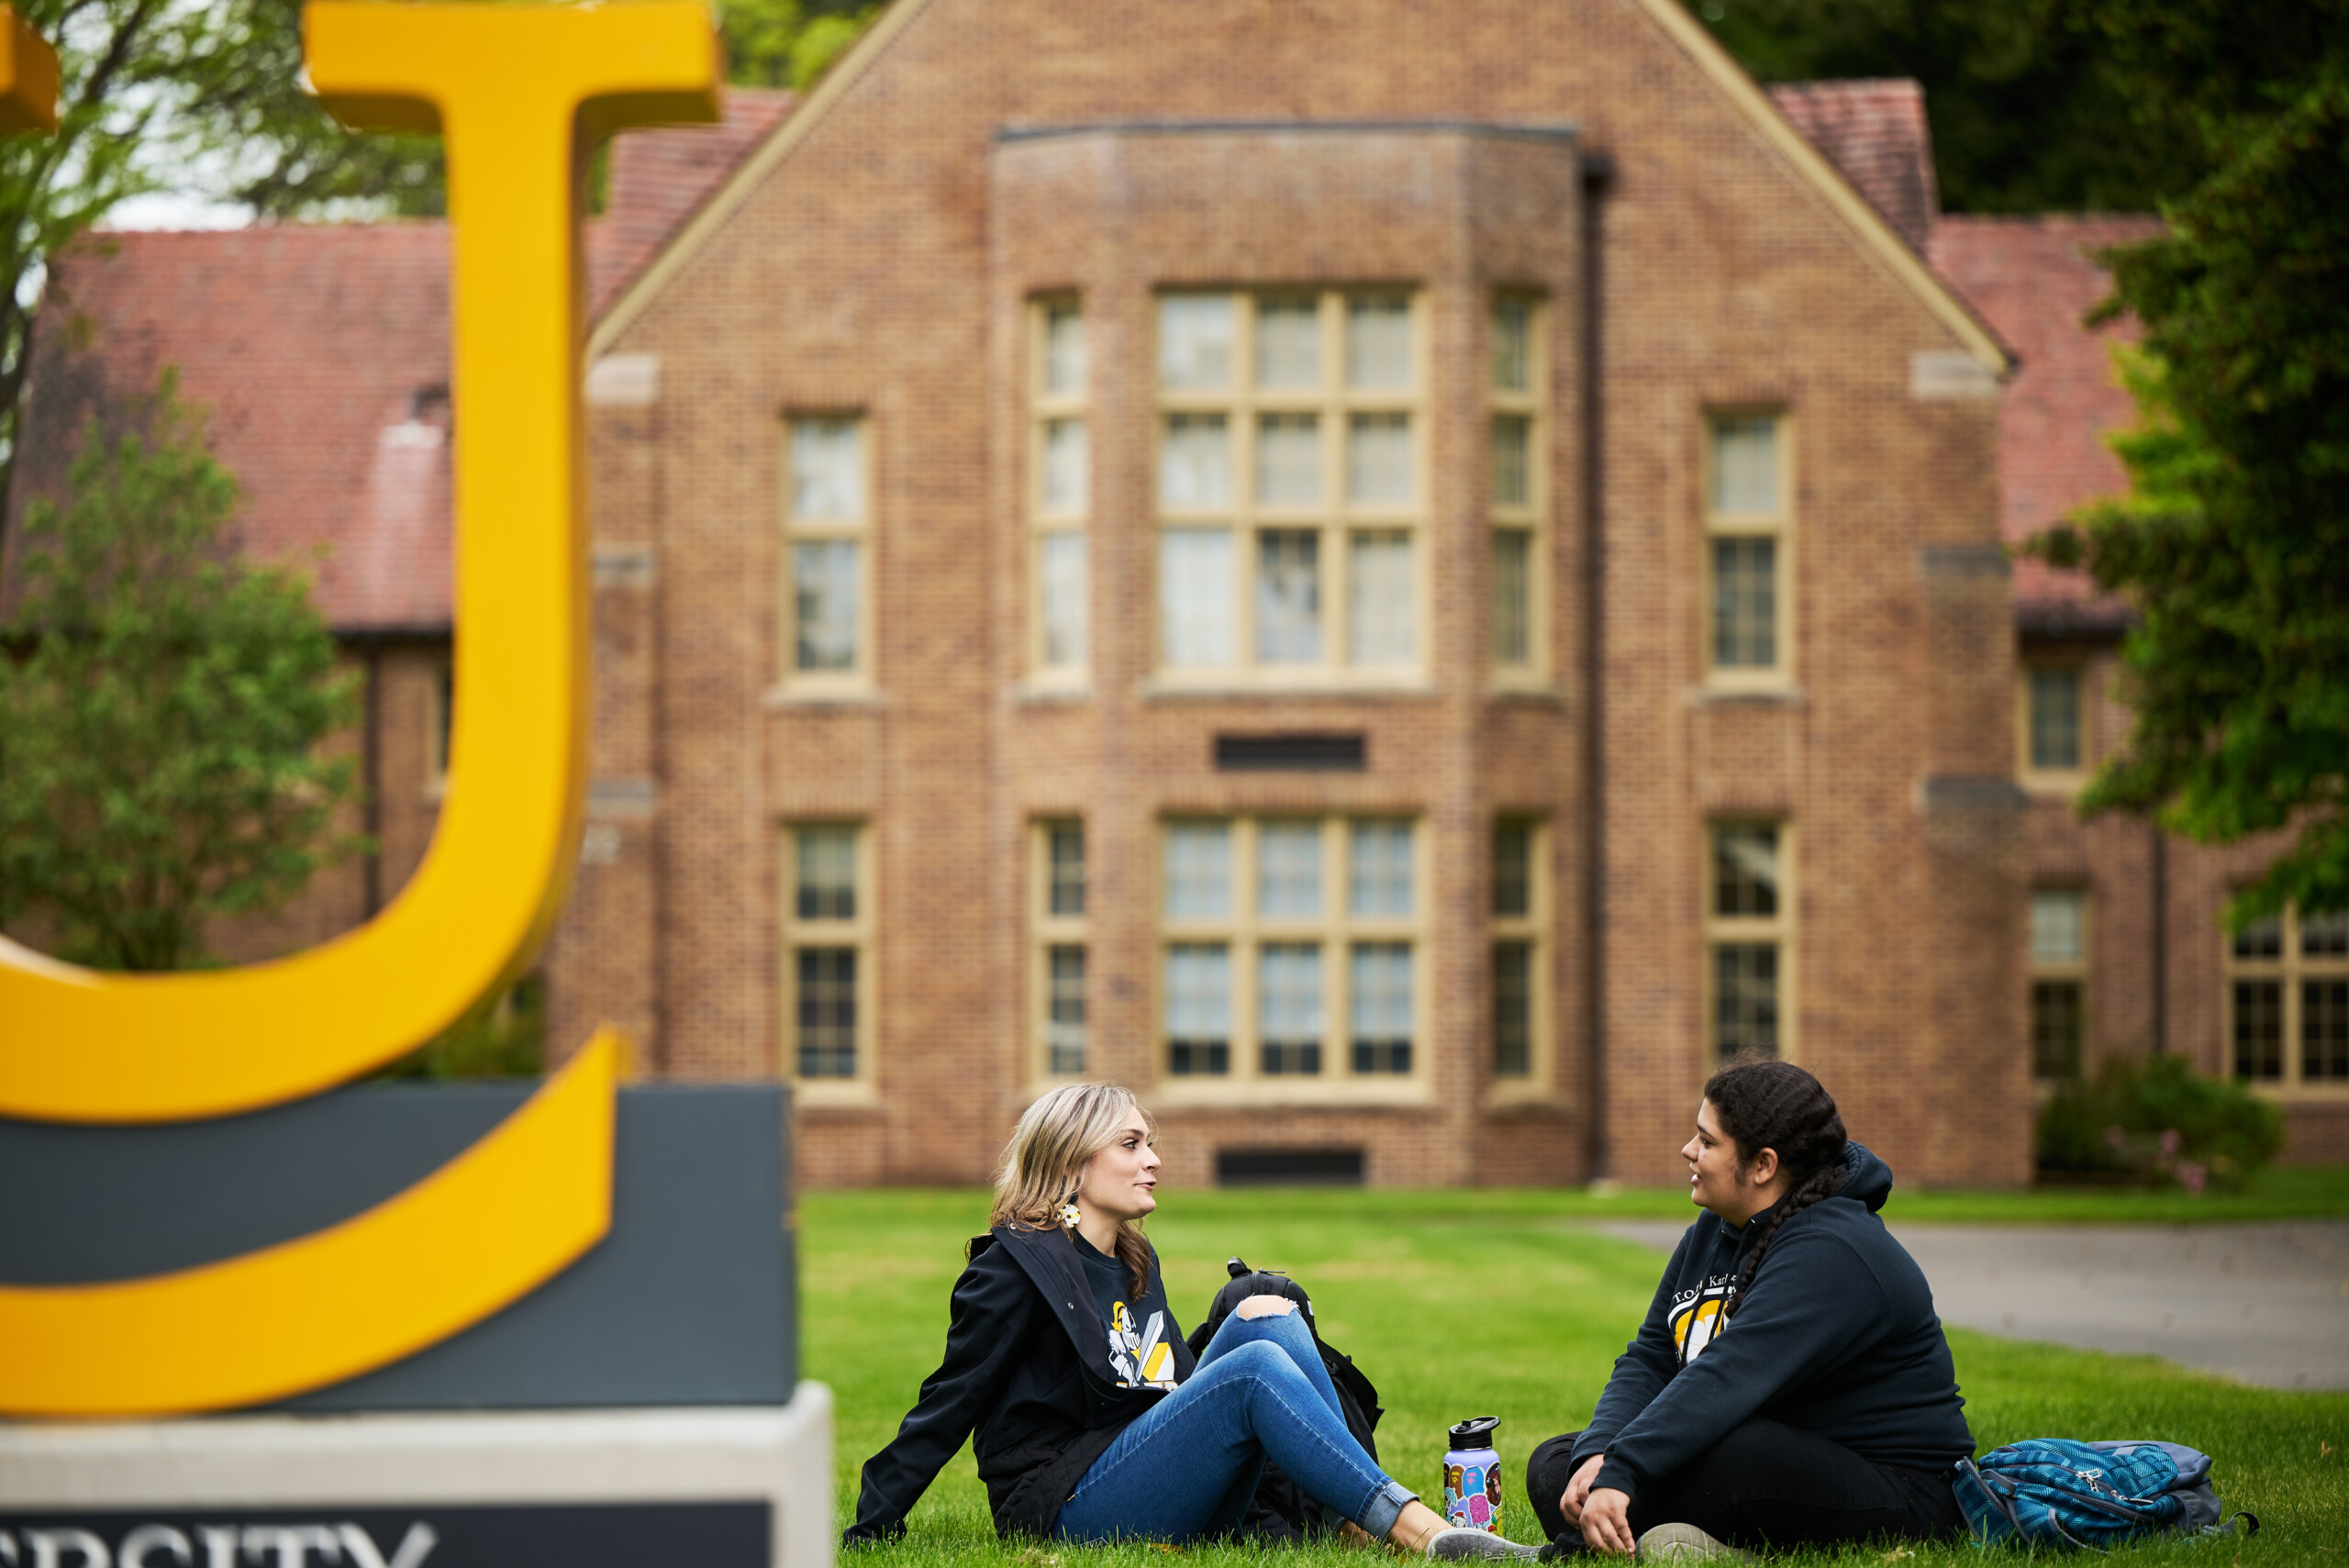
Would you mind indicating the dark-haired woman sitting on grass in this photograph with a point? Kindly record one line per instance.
(1791, 1385)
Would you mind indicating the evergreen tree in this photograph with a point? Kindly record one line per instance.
(2232, 543)
(2030, 106)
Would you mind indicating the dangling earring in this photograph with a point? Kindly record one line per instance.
(1070, 1216)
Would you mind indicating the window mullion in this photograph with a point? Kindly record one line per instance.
(1336, 596)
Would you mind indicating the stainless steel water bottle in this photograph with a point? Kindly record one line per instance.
(1471, 1476)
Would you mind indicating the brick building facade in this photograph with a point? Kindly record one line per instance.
(1394, 577)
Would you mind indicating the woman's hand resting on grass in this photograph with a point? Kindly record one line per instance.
(1578, 1490)
(1603, 1516)
(1606, 1520)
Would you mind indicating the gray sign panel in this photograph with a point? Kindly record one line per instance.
(687, 1301)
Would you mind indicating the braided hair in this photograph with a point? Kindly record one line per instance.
(1775, 1104)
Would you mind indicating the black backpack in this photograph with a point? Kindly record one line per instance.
(1282, 1511)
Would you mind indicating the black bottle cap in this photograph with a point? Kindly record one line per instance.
(1476, 1432)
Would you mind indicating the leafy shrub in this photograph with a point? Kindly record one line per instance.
(503, 1039)
(2157, 1122)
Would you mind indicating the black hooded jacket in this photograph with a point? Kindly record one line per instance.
(1027, 1377)
(1836, 1335)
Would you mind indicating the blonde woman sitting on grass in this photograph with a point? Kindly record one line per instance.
(1065, 1367)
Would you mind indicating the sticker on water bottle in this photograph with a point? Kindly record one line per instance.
(1472, 1496)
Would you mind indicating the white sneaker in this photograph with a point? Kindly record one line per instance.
(1466, 1543)
(1685, 1543)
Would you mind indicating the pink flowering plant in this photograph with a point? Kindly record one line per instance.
(2156, 1122)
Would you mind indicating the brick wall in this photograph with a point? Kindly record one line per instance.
(887, 264)
(2111, 859)
(884, 265)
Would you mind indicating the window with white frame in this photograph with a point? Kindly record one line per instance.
(1290, 948)
(1520, 888)
(2059, 981)
(2053, 742)
(1057, 918)
(2288, 1000)
(827, 976)
(439, 721)
(1748, 565)
(1060, 491)
(1520, 487)
(1748, 909)
(827, 515)
(1289, 484)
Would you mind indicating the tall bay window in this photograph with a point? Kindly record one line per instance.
(2288, 1000)
(1290, 948)
(827, 634)
(1057, 879)
(1060, 493)
(828, 971)
(2053, 739)
(2059, 981)
(1748, 557)
(1748, 909)
(1519, 498)
(1289, 485)
(1521, 905)
(440, 721)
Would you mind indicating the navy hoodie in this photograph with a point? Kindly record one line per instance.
(1836, 1335)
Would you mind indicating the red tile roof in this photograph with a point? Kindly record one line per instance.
(2034, 278)
(322, 352)
(1874, 132)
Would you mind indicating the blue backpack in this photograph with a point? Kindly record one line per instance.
(2056, 1492)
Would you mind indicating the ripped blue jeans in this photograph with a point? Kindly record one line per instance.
(1187, 1469)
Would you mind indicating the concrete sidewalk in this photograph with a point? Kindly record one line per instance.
(2268, 1303)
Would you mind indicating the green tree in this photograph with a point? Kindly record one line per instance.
(2032, 107)
(788, 43)
(2232, 543)
(161, 706)
(203, 99)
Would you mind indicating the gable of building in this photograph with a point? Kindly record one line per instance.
(1030, 65)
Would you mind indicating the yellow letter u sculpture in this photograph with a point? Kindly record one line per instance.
(520, 96)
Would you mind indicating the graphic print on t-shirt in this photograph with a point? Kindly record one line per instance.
(1696, 1314)
(1141, 1360)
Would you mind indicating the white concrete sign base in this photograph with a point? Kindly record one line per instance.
(512, 1466)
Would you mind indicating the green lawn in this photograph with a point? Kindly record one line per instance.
(1474, 1302)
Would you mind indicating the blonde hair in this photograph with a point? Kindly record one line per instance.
(1045, 1160)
